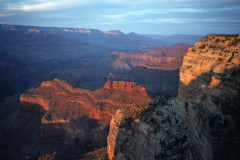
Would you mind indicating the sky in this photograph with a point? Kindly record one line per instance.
(141, 16)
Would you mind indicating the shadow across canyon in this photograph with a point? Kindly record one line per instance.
(212, 105)
(25, 135)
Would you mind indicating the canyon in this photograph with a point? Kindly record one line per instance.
(80, 56)
(201, 123)
(30, 55)
(156, 69)
(164, 58)
(76, 117)
(75, 93)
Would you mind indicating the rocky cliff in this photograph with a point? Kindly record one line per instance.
(208, 63)
(157, 131)
(210, 82)
(156, 70)
(165, 58)
(157, 82)
(201, 123)
(80, 115)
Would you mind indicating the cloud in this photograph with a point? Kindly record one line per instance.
(124, 14)
(34, 7)
(138, 7)
(193, 21)
(149, 11)
(46, 5)
(116, 1)
(113, 16)
(105, 23)
(220, 20)
(164, 20)
(6, 15)
(143, 12)
(187, 10)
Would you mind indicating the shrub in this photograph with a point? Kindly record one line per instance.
(212, 47)
(203, 46)
(133, 111)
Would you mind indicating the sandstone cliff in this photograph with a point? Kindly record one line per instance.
(209, 63)
(78, 115)
(165, 58)
(202, 123)
(210, 81)
(157, 131)
(156, 70)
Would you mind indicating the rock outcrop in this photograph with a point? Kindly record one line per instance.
(80, 115)
(156, 70)
(113, 32)
(210, 82)
(157, 131)
(156, 82)
(125, 86)
(208, 63)
(33, 30)
(164, 58)
(202, 123)
(80, 30)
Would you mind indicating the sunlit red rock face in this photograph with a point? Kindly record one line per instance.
(165, 58)
(78, 114)
(210, 82)
(202, 123)
(207, 62)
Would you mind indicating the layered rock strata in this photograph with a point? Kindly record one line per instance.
(164, 58)
(157, 70)
(209, 63)
(210, 82)
(77, 114)
(208, 101)
(157, 131)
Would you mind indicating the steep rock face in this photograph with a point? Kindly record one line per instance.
(208, 63)
(210, 93)
(156, 82)
(158, 132)
(125, 86)
(156, 70)
(78, 114)
(210, 81)
(161, 58)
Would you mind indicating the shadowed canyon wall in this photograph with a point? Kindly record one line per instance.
(164, 58)
(201, 123)
(76, 113)
(63, 118)
(30, 55)
(157, 70)
(210, 81)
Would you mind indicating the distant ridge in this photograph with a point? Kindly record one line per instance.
(112, 40)
(177, 38)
